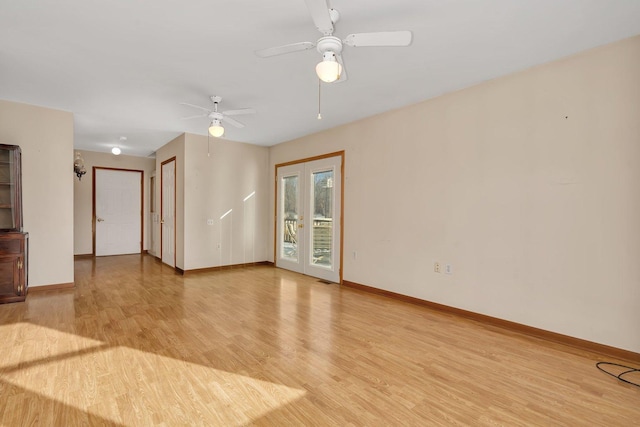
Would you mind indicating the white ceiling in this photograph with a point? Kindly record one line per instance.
(123, 66)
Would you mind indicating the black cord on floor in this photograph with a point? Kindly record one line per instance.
(629, 369)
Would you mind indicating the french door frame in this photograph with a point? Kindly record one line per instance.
(93, 201)
(275, 204)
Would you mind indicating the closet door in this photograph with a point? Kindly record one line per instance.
(168, 213)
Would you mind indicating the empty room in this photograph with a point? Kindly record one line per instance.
(320, 212)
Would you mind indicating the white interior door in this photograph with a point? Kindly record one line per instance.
(153, 216)
(118, 209)
(168, 213)
(308, 218)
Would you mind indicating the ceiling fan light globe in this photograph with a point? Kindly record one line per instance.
(328, 71)
(216, 130)
(116, 151)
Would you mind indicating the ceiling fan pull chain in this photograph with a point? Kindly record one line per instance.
(319, 114)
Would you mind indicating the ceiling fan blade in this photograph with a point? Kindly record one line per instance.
(287, 48)
(208, 110)
(320, 14)
(384, 38)
(343, 74)
(232, 122)
(194, 117)
(239, 112)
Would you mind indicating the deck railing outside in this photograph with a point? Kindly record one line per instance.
(322, 232)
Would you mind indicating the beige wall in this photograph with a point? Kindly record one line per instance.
(174, 148)
(208, 187)
(528, 185)
(215, 185)
(83, 195)
(46, 139)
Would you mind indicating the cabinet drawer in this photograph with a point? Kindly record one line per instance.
(10, 246)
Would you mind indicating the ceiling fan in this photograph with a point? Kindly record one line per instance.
(332, 68)
(217, 117)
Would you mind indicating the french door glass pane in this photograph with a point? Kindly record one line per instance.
(322, 236)
(290, 217)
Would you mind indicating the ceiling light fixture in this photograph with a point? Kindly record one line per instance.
(216, 129)
(328, 70)
(116, 150)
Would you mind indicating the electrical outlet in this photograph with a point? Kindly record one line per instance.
(436, 267)
(209, 222)
(448, 269)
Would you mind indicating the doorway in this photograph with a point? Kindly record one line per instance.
(117, 209)
(168, 212)
(309, 216)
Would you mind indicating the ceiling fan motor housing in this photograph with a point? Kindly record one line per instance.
(329, 44)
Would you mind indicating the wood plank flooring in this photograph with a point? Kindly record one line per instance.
(135, 344)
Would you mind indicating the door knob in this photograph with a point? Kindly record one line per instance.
(300, 225)
(162, 221)
(99, 219)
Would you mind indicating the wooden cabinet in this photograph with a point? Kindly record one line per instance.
(14, 247)
(13, 266)
(10, 188)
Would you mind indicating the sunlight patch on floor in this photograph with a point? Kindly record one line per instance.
(22, 344)
(129, 386)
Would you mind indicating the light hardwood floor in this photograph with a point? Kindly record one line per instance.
(135, 344)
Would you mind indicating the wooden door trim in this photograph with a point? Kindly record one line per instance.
(93, 203)
(175, 196)
(340, 154)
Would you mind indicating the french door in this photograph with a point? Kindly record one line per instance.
(308, 217)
